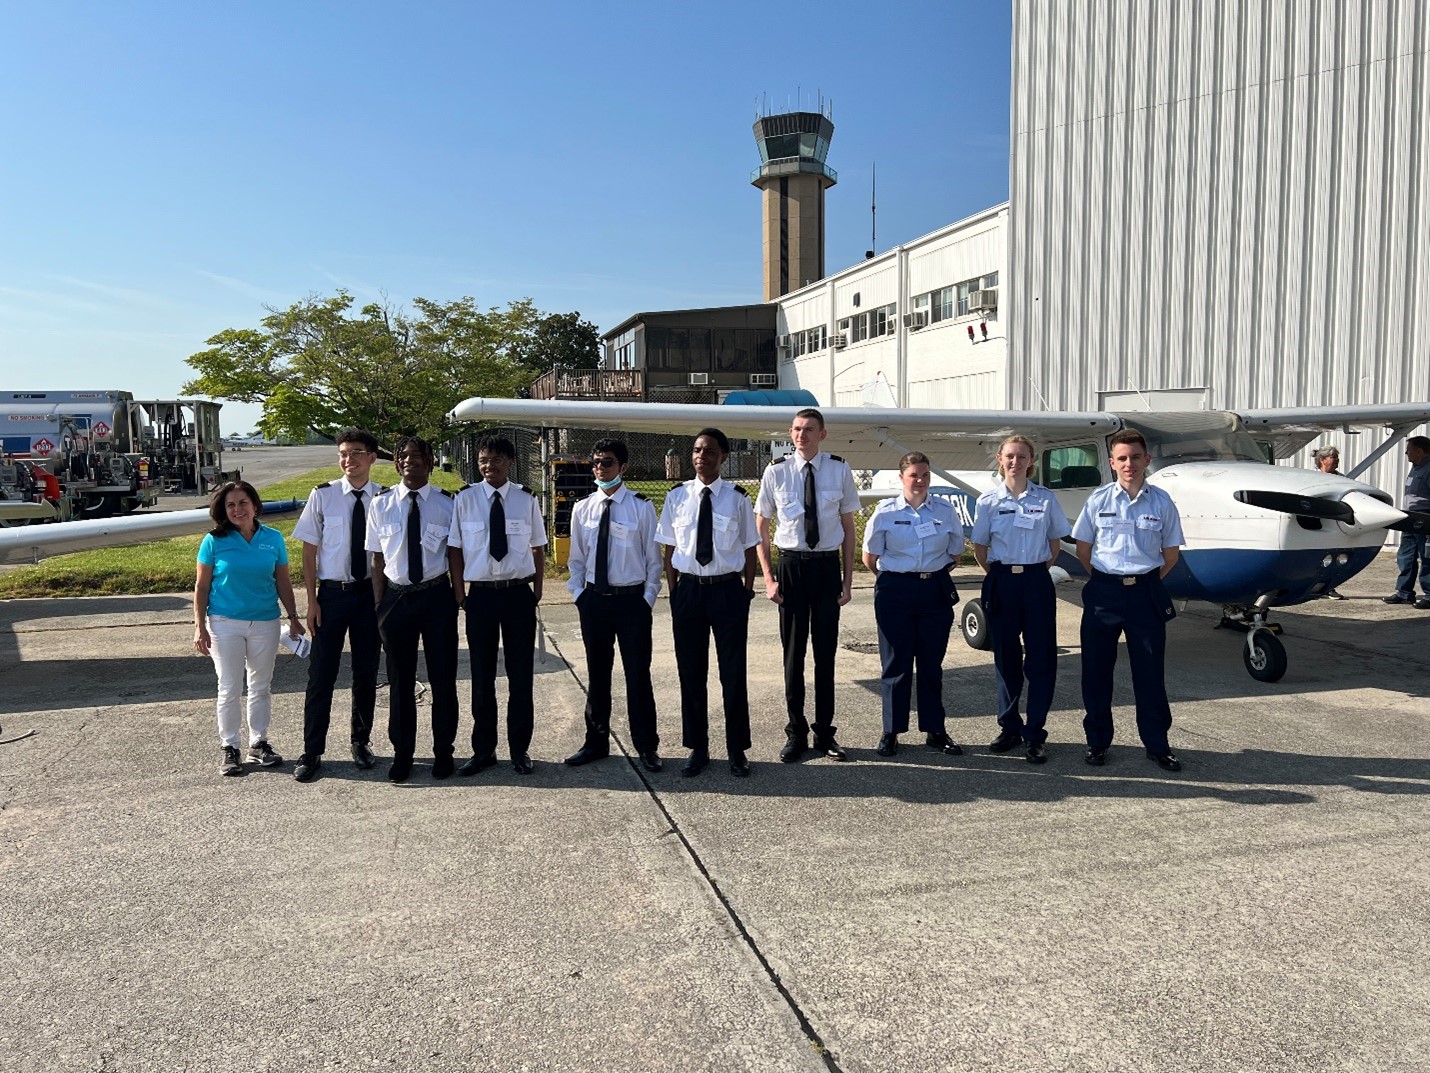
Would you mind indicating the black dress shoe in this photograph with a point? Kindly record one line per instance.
(521, 764)
(587, 753)
(944, 744)
(739, 766)
(362, 755)
(888, 745)
(400, 770)
(307, 769)
(698, 762)
(796, 745)
(1096, 757)
(650, 760)
(1037, 754)
(830, 748)
(476, 764)
(1166, 761)
(442, 767)
(1005, 742)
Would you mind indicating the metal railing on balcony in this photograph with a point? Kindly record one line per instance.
(590, 384)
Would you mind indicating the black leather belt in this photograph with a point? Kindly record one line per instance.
(430, 583)
(795, 553)
(1126, 579)
(505, 583)
(346, 586)
(711, 579)
(1016, 568)
(615, 590)
(924, 576)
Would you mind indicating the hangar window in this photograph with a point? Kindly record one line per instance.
(1071, 467)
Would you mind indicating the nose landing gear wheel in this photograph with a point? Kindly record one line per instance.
(974, 624)
(1264, 656)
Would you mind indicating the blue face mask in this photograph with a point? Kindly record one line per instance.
(606, 486)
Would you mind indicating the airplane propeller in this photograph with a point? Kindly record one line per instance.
(1355, 509)
(1414, 522)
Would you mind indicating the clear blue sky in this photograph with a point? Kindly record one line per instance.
(168, 169)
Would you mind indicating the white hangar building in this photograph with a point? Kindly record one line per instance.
(1218, 205)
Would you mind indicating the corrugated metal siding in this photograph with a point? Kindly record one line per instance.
(1230, 193)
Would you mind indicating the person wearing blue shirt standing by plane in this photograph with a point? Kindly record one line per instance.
(1015, 540)
(1129, 536)
(913, 540)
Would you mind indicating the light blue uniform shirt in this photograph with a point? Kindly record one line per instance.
(243, 585)
(910, 541)
(1018, 529)
(1128, 535)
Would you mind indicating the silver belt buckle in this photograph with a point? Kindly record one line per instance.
(1016, 569)
(1129, 579)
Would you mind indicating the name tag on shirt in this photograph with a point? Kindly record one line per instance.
(721, 522)
(1024, 520)
(433, 537)
(518, 527)
(926, 529)
(621, 531)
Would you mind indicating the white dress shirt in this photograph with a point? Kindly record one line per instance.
(387, 530)
(471, 532)
(732, 519)
(634, 558)
(326, 523)
(782, 497)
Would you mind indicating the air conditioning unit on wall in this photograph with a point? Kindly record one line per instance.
(764, 379)
(915, 321)
(782, 342)
(839, 342)
(699, 379)
(983, 299)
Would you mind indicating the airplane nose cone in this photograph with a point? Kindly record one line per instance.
(1370, 513)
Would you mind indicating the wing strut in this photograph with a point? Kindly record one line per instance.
(893, 444)
(1397, 433)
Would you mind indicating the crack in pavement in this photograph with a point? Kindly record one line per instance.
(805, 1024)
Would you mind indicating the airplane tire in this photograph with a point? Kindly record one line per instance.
(974, 624)
(1265, 657)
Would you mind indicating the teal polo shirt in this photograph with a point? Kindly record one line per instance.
(243, 585)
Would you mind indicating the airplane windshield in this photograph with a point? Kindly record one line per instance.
(1209, 436)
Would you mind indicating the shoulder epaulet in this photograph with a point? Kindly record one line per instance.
(640, 495)
(521, 487)
(676, 484)
(464, 487)
(445, 492)
(325, 484)
(781, 458)
(385, 491)
(741, 489)
(836, 458)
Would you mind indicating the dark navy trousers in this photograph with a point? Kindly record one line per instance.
(1022, 622)
(914, 616)
(1112, 609)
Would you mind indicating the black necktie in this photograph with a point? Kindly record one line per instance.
(358, 551)
(811, 508)
(705, 530)
(414, 541)
(603, 548)
(496, 530)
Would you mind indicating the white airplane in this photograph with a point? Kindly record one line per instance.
(1258, 535)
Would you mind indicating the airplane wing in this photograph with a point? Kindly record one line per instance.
(30, 543)
(865, 437)
(1292, 428)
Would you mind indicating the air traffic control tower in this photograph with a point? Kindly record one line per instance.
(793, 176)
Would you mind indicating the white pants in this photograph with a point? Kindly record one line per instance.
(238, 647)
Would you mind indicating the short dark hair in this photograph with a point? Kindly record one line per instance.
(913, 458)
(404, 442)
(357, 435)
(1127, 435)
(497, 445)
(218, 511)
(612, 447)
(1422, 442)
(810, 412)
(718, 436)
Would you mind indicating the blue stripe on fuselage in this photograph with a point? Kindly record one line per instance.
(1240, 575)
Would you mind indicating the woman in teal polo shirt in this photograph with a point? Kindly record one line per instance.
(242, 576)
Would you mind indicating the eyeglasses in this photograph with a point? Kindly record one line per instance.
(345, 456)
(604, 463)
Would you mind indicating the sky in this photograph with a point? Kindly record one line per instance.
(169, 170)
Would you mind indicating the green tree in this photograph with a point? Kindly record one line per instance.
(318, 366)
(565, 341)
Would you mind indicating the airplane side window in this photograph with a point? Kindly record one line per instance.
(1071, 467)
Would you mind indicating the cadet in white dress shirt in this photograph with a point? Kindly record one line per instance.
(708, 528)
(497, 546)
(615, 578)
(806, 508)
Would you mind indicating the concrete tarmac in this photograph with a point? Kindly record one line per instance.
(1262, 910)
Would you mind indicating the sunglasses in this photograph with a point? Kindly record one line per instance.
(604, 463)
